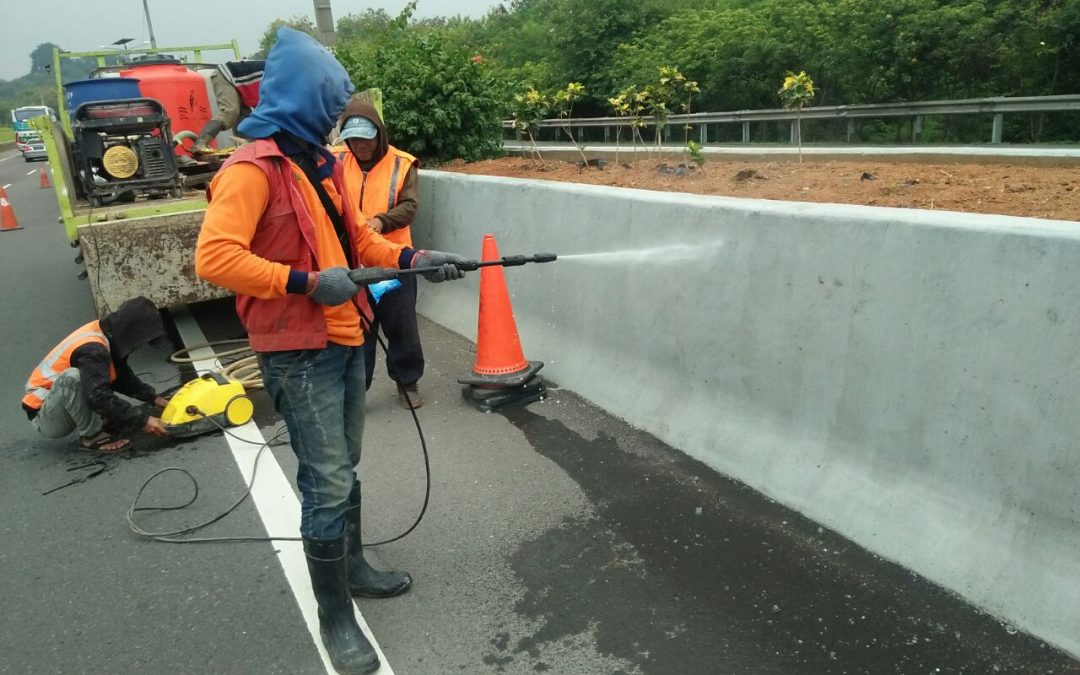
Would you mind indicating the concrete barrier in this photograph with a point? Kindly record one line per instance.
(904, 377)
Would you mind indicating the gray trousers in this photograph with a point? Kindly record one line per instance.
(65, 409)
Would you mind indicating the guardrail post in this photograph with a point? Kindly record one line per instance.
(704, 134)
(607, 134)
(850, 130)
(745, 132)
(794, 133)
(999, 123)
(916, 129)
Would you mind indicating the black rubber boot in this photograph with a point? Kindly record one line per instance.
(349, 649)
(364, 580)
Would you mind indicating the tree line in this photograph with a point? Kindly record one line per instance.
(738, 51)
(449, 81)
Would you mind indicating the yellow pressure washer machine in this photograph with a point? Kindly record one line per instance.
(207, 404)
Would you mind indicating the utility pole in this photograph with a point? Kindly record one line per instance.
(324, 22)
(149, 24)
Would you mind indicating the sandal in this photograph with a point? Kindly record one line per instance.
(106, 443)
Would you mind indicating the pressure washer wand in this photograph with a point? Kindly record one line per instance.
(365, 276)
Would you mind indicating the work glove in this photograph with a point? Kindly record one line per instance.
(444, 261)
(333, 287)
(208, 133)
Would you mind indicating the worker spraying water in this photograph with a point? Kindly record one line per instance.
(277, 233)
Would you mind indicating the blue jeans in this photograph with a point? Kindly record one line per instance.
(320, 394)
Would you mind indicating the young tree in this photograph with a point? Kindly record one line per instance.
(528, 109)
(563, 105)
(795, 92)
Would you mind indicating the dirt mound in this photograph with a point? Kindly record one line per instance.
(1009, 189)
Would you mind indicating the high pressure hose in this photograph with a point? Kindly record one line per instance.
(244, 369)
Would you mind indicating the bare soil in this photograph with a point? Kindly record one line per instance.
(1051, 192)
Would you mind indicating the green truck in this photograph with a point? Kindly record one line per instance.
(132, 215)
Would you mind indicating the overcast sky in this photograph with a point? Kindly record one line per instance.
(84, 25)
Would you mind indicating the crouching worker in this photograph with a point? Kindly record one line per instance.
(277, 234)
(75, 387)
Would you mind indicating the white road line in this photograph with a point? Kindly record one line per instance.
(273, 498)
(4, 159)
(31, 172)
(7, 186)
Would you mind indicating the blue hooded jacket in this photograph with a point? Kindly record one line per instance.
(303, 90)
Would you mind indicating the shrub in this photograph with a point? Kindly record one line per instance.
(440, 101)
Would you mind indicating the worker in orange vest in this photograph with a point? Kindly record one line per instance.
(278, 233)
(74, 387)
(383, 181)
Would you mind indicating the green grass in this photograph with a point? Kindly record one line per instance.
(6, 134)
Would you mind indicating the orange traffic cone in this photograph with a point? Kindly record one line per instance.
(44, 182)
(7, 214)
(501, 374)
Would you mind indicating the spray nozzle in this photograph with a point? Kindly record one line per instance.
(506, 261)
(366, 276)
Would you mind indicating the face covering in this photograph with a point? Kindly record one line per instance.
(303, 90)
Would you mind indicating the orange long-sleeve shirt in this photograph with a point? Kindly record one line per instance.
(223, 254)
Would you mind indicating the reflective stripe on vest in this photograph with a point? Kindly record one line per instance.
(58, 360)
(395, 175)
(366, 188)
(392, 193)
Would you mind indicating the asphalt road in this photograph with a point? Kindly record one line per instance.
(558, 539)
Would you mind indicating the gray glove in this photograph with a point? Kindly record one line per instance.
(334, 287)
(445, 263)
(209, 132)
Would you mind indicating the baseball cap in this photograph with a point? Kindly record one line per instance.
(358, 127)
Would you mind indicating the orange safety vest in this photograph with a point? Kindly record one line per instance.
(59, 360)
(377, 191)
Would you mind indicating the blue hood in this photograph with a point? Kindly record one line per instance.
(303, 90)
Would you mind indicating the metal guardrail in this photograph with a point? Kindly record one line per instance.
(997, 106)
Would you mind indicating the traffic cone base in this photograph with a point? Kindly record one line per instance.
(44, 179)
(491, 400)
(7, 214)
(499, 358)
(497, 381)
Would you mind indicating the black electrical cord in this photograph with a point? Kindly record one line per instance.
(172, 536)
(416, 422)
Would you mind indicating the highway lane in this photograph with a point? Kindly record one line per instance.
(558, 539)
(81, 594)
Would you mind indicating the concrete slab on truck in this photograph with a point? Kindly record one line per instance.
(151, 256)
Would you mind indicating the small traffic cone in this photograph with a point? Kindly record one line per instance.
(44, 176)
(7, 214)
(501, 374)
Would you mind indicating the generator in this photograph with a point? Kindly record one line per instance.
(124, 147)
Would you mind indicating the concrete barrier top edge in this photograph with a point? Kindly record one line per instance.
(981, 222)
